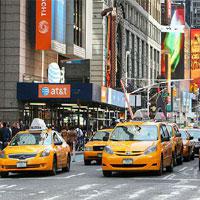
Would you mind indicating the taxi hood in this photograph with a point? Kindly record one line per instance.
(24, 149)
(96, 143)
(131, 145)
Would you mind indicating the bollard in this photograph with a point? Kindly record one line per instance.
(74, 151)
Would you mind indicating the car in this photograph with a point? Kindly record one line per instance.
(177, 143)
(195, 133)
(188, 145)
(35, 150)
(138, 146)
(94, 148)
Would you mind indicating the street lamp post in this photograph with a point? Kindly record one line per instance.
(126, 80)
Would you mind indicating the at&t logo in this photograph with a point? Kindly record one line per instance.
(45, 91)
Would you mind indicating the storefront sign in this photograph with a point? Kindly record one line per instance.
(43, 24)
(54, 91)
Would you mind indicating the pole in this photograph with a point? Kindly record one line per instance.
(126, 99)
(74, 151)
(42, 73)
(126, 81)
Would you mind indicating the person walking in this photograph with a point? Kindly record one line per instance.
(15, 128)
(5, 135)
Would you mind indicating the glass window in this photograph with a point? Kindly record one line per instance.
(31, 139)
(135, 133)
(99, 135)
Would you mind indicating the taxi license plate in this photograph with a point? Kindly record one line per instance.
(21, 164)
(99, 155)
(127, 161)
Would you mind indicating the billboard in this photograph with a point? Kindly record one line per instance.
(173, 45)
(58, 37)
(195, 56)
(43, 25)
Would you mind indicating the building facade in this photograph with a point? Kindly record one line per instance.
(20, 62)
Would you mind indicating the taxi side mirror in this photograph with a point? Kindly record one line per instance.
(191, 138)
(58, 143)
(178, 134)
(105, 138)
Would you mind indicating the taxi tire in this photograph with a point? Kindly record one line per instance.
(170, 167)
(54, 167)
(67, 168)
(107, 173)
(180, 160)
(4, 174)
(174, 158)
(87, 162)
(192, 156)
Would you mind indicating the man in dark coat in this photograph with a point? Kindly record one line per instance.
(5, 135)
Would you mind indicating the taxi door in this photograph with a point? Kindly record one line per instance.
(166, 145)
(179, 140)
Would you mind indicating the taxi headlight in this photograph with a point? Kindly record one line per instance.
(2, 154)
(88, 148)
(45, 153)
(108, 150)
(151, 150)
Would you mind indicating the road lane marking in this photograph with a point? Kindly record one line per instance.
(95, 194)
(41, 192)
(74, 175)
(11, 186)
(51, 198)
(120, 186)
(2, 186)
(86, 187)
(182, 169)
(137, 194)
(2, 191)
(32, 194)
(184, 186)
(169, 177)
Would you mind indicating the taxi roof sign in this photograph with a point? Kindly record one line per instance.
(38, 124)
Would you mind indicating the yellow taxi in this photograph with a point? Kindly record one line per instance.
(188, 145)
(93, 149)
(36, 149)
(177, 143)
(138, 146)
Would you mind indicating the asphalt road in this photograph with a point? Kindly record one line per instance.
(88, 183)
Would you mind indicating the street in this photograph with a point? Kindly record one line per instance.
(87, 182)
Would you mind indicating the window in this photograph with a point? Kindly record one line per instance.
(78, 22)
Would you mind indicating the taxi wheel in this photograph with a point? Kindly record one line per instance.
(87, 162)
(67, 168)
(180, 160)
(175, 158)
(54, 167)
(4, 174)
(192, 156)
(160, 171)
(107, 173)
(170, 167)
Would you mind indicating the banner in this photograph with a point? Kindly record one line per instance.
(195, 56)
(43, 25)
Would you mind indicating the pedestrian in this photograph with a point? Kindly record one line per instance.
(15, 128)
(5, 135)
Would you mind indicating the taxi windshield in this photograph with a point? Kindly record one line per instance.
(135, 133)
(31, 139)
(99, 135)
(194, 133)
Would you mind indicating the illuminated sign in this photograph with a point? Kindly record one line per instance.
(43, 24)
(54, 91)
(195, 56)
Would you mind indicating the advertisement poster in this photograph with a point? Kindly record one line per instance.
(43, 25)
(58, 38)
(195, 56)
(173, 46)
